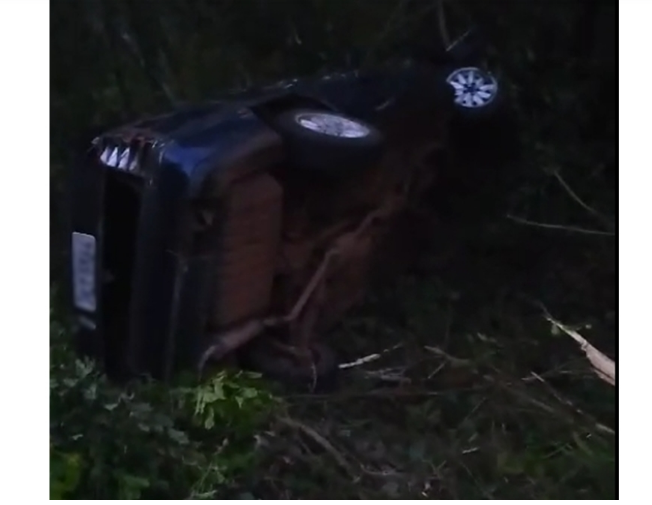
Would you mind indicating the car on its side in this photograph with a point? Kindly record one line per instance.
(255, 221)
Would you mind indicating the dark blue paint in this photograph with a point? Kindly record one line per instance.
(172, 291)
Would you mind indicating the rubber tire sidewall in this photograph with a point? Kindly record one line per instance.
(327, 154)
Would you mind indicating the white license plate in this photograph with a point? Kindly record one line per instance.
(83, 271)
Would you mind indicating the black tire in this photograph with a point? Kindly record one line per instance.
(326, 153)
(263, 357)
(472, 103)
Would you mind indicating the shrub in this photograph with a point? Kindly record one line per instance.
(148, 440)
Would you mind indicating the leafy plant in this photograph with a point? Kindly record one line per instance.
(148, 440)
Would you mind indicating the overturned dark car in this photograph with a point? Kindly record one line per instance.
(255, 221)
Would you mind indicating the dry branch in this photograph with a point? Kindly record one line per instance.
(602, 364)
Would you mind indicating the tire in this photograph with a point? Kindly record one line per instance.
(262, 357)
(477, 93)
(350, 145)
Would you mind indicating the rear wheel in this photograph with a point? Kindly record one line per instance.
(316, 372)
(328, 142)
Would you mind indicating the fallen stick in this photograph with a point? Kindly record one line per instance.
(321, 441)
(368, 359)
(604, 366)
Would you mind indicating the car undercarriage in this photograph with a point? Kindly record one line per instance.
(252, 224)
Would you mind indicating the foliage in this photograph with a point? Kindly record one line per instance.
(472, 398)
(148, 440)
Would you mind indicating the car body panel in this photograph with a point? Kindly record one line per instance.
(170, 288)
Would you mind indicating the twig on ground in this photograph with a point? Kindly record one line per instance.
(566, 401)
(560, 371)
(330, 449)
(524, 396)
(604, 366)
(452, 359)
(321, 441)
(573, 229)
(388, 375)
(487, 494)
(437, 370)
(475, 408)
(369, 358)
(581, 202)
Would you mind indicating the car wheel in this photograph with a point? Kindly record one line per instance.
(477, 92)
(319, 376)
(328, 142)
